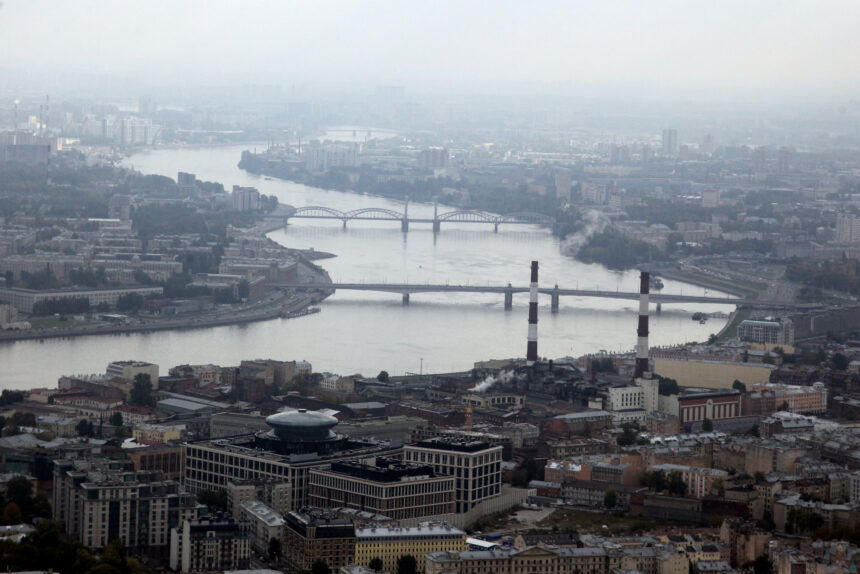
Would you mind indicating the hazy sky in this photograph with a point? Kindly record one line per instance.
(713, 48)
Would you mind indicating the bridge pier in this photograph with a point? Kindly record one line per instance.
(554, 304)
(406, 298)
(495, 228)
(404, 225)
(509, 300)
(659, 308)
(344, 223)
(437, 226)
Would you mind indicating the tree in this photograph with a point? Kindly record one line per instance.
(141, 392)
(20, 491)
(677, 484)
(610, 498)
(274, 548)
(762, 565)
(707, 425)
(738, 385)
(12, 514)
(667, 386)
(839, 361)
(116, 419)
(85, 428)
(216, 500)
(407, 564)
(629, 434)
(320, 566)
(244, 289)
(382, 377)
(376, 564)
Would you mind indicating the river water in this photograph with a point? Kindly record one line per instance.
(364, 332)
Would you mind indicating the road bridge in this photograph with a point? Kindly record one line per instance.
(407, 289)
(383, 214)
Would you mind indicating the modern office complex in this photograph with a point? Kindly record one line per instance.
(387, 487)
(476, 465)
(298, 442)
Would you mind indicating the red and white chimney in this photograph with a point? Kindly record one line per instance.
(531, 349)
(642, 331)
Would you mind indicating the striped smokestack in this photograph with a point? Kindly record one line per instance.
(531, 349)
(642, 331)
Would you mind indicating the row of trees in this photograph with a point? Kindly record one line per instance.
(45, 550)
(617, 251)
(64, 306)
(659, 481)
(19, 504)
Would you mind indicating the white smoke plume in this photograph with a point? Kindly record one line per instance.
(595, 222)
(502, 377)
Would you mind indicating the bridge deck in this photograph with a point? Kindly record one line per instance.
(406, 288)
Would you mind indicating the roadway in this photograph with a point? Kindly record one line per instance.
(410, 288)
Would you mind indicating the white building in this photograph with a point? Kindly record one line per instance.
(266, 524)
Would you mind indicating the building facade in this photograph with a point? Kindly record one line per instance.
(210, 544)
(476, 465)
(387, 487)
(390, 543)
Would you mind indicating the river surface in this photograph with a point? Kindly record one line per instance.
(363, 332)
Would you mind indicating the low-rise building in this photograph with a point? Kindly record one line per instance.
(155, 433)
(699, 480)
(272, 492)
(390, 543)
(315, 534)
(210, 544)
(265, 525)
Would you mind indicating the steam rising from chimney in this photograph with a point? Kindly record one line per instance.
(501, 377)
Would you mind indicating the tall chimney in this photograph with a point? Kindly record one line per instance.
(531, 349)
(642, 331)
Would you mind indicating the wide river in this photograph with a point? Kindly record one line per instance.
(363, 332)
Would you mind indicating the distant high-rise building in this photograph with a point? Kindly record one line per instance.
(784, 157)
(670, 142)
(245, 198)
(847, 228)
(146, 106)
(119, 207)
(707, 146)
(433, 158)
(563, 181)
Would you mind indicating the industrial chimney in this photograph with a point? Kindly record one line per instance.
(642, 331)
(531, 349)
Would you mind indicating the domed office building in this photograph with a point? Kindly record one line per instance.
(301, 431)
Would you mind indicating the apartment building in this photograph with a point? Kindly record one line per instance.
(210, 545)
(311, 534)
(99, 501)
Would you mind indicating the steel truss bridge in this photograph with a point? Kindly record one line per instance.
(457, 216)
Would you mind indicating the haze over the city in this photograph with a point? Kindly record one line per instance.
(701, 51)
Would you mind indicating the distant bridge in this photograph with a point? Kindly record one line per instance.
(457, 216)
(406, 289)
